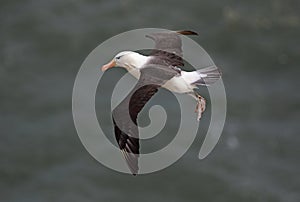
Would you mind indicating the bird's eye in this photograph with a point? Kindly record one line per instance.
(118, 57)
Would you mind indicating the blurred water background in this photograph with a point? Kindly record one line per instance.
(256, 43)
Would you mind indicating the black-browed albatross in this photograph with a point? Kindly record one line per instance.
(160, 69)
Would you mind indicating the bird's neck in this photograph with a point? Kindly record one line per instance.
(136, 62)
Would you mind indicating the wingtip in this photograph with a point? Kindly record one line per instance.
(187, 32)
(133, 168)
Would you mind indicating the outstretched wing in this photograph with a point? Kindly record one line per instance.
(126, 113)
(168, 47)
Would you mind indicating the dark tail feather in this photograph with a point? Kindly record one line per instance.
(187, 32)
(209, 75)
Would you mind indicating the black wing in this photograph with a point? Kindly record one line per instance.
(168, 47)
(126, 113)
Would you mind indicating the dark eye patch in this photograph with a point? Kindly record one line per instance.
(118, 57)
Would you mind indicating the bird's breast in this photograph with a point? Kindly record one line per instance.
(135, 72)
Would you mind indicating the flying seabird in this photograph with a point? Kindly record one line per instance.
(160, 69)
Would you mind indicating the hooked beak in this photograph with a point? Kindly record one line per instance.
(108, 65)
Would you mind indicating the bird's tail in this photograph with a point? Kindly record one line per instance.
(208, 76)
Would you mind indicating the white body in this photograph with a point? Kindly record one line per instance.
(179, 84)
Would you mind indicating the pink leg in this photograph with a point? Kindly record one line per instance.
(200, 107)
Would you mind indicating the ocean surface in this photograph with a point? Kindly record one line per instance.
(255, 43)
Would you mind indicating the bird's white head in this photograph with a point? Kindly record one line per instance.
(126, 59)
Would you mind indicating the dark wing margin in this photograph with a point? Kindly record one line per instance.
(126, 113)
(187, 32)
(168, 46)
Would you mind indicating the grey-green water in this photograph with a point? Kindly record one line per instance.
(256, 43)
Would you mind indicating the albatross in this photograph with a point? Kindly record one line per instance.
(162, 68)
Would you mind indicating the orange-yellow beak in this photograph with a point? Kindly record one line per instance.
(108, 65)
